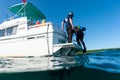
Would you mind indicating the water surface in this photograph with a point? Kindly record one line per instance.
(103, 65)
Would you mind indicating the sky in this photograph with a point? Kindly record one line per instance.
(100, 17)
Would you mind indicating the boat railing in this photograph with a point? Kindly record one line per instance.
(8, 19)
(39, 25)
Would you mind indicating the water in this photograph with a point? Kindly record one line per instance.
(103, 65)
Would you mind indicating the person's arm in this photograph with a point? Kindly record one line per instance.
(71, 22)
(62, 25)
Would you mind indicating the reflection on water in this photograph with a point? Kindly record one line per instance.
(70, 61)
(11, 65)
(97, 66)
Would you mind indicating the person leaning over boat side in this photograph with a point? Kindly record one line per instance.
(69, 25)
(79, 31)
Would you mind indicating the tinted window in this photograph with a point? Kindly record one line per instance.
(11, 30)
(2, 32)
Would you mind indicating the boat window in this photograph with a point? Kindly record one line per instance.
(11, 30)
(2, 32)
(30, 23)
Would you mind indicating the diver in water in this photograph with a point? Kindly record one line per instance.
(80, 36)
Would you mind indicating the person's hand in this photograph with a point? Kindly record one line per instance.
(75, 29)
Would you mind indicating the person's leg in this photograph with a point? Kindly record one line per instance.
(77, 40)
(69, 32)
(84, 47)
(81, 39)
(67, 29)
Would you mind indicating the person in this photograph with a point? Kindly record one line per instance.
(69, 25)
(37, 24)
(80, 36)
(43, 21)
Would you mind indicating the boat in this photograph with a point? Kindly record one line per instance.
(20, 36)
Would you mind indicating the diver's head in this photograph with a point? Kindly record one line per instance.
(83, 28)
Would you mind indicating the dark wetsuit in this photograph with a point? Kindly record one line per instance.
(68, 28)
(79, 38)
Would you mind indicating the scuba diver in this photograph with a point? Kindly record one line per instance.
(79, 31)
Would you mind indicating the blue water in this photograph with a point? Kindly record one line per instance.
(103, 65)
(108, 61)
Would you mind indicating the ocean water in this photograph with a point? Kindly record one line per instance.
(103, 65)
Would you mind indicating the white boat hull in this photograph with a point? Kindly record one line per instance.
(36, 47)
(31, 41)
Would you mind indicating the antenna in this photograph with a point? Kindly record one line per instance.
(24, 9)
(24, 1)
